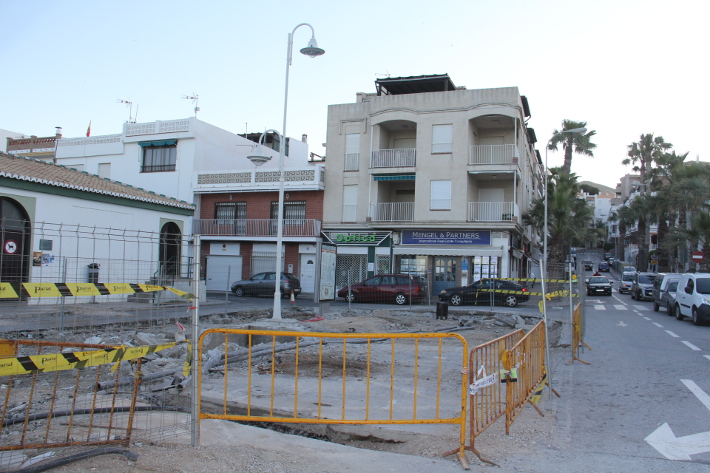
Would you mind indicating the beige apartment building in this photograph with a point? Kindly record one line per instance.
(425, 177)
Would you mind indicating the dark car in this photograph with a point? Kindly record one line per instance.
(599, 285)
(588, 265)
(642, 288)
(397, 288)
(485, 290)
(660, 293)
(265, 284)
(603, 266)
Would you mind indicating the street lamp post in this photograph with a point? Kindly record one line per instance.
(544, 262)
(312, 50)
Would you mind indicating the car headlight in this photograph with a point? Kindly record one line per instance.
(443, 291)
(706, 300)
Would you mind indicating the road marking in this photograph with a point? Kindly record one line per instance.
(681, 448)
(620, 307)
(641, 307)
(622, 324)
(672, 334)
(690, 345)
(599, 307)
(645, 317)
(699, 393)
(657, 325)
(707, 356)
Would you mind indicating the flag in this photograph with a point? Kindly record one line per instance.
(88, 130)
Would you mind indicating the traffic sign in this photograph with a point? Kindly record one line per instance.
(697, 257)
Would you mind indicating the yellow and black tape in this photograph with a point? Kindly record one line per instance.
(549, 294)
(74, 360)
(566, 281)
(42, 289)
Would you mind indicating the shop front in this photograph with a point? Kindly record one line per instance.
(360, 254)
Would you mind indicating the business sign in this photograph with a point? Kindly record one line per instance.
(356, 238)
(326, 291)
(448, 237)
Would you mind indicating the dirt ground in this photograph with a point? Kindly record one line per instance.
(171, 452)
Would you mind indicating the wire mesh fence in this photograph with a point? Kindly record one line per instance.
(92, 323)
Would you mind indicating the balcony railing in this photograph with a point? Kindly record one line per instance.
(393, 212)
(492, 212)
(256, 227)
(393, 158)
(492, 154)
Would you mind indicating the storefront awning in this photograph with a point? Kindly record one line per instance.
(397, 177)
(145, 144)
(449, 251)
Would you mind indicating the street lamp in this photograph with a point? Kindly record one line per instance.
(544, 261)
(312, 50)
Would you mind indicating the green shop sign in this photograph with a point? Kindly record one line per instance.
(357, 238)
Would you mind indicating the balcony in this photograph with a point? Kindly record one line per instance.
(492, 154)
(492, 212)
(393, 158)
(256, 227)
(393, 212)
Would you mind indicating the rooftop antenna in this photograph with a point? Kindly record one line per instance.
(194, 98)
(129, 104)
(385, 75)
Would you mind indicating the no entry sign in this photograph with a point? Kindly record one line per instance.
(697, 257)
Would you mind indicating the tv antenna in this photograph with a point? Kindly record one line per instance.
(194, 98)
(129, 104)
(382, 75)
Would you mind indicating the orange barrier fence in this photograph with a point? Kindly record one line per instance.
(334, 378)
(577, 334)
(49, 396)
(487, 397)
(525, 371)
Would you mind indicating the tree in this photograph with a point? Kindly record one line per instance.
(579, 143)
(589, 189)
(642, 155)
(567, 217)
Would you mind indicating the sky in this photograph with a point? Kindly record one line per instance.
(626, 67)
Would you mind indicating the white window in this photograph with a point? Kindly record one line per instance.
(440, 195)
(349, 203)
(442, 138)
(352, 151)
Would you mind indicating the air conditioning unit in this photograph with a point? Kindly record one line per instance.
(396, 238)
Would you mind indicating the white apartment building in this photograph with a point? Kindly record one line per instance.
(429, 178)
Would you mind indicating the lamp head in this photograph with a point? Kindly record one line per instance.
(312, 50)
(258, 160)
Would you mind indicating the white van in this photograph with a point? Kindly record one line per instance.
(693, 297)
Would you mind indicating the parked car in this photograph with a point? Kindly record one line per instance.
(642, 287)
(599, 285)
(627, 279)
(588, 265)
(265, 284)
(397, 288)
(603, 266)
(501, 291)
(661, 291)
(608, 256)
(693, 297)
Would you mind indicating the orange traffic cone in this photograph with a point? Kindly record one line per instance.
(293, 298)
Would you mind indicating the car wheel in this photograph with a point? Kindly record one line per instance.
(238, 291)
(400, 299)
(511, 301)
(669, 309)
(677, 313)
(350, 297)
(655, 306)
(456, 299)
(696, 319)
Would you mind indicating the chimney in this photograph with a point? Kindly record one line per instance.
(304, 138)
(58, 131)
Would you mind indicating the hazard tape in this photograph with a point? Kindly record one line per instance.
(549, 294)
(566, 281)
(75, 360)
(42, 289)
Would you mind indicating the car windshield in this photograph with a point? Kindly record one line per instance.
(627, 277)
(597, 280)
(646, 279)
(673, 286)
(703, 285)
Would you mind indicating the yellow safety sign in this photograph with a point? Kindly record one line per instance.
(47, 289)
(71, 360)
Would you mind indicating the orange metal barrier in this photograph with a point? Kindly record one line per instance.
(334, 378)
(525, 370)
(487, 397)
(36, 410)
(577, 339)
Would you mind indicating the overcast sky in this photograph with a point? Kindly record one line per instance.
(626, 67)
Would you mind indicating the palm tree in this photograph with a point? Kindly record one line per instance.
(567, 216)
(642, 155)
(572, 142)
(698, 235)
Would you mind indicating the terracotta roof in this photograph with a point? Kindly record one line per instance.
(42, 172)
